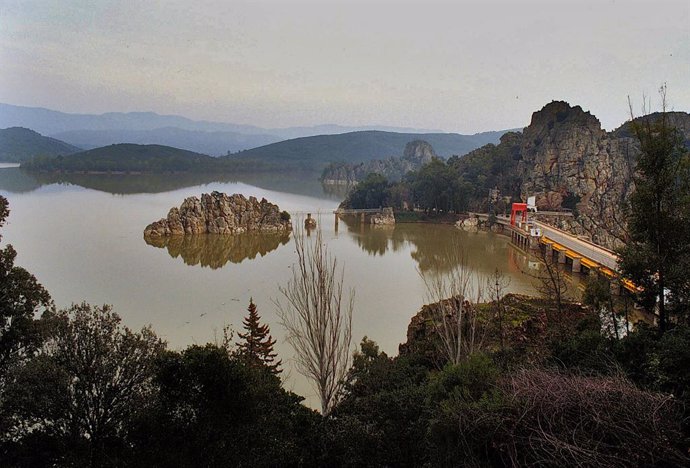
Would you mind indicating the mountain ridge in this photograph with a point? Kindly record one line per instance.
(51, 122)
(19, 144)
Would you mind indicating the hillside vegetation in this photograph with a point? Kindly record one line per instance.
(127, 158)
(356, 147)
(211, 143)
(304, 154)
(19, 144)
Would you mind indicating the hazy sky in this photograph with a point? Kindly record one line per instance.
(455, 65)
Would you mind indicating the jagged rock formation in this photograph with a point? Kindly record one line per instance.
(566, 154)
(384, 218)
(218, 213)
(567, 160)
(416, 154)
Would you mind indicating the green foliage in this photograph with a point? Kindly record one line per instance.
(256, 347)
(469, 380)
(21, 144)
(597, 292)
(459, 184)
(21, 298)
(435, 187)
(586, 350)
(469, 411)
(285, 216)
(213, 410)
(94, 378)
(387, 398)
(354, 147)
(372, 192)
(489, 167)
(657, 257)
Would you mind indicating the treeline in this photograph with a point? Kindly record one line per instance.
(78, 388)
(456, 185)
(130, 158)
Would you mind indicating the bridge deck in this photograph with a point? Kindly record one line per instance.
(369, 210)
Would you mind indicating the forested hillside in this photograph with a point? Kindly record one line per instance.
(19, 144)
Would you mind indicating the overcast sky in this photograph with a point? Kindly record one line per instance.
(457, 66)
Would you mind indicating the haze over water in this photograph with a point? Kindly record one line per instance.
(87, 245)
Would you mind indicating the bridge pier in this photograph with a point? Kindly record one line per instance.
(561, 256)
(577, 265)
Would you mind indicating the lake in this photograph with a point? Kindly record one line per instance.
(82, 237)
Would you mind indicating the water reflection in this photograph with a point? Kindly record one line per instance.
(214, 251)
(438, 249)
(338, 191)
(16, 180)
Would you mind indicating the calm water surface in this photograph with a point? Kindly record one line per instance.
(83, 239)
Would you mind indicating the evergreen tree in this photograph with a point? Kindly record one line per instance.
(21, 298)
(257, 344)
(657, 257)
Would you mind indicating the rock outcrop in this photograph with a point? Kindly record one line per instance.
(416, 154)
(567, 160)
(470, 224)
(384, 218)
(566, 154)
(218, 213)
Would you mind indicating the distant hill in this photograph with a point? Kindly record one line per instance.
(18, 144)
(355, 147)
(127, 158)
(211, 143)
(50, 122)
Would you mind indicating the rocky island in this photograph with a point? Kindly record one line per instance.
(219, 213)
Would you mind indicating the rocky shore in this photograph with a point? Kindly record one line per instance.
(218, 213)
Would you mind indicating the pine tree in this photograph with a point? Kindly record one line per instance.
(257, 343)
(657, 256)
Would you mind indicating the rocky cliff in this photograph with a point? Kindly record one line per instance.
(416, 154)
(567, 160)
(218, 213)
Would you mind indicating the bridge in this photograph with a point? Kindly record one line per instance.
(575, 251)
(341, 211)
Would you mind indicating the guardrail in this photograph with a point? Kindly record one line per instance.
(368, 210)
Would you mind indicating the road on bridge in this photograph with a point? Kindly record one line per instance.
(592, 251)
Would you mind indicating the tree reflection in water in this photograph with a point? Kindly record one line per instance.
(438, 248)
(214, 251)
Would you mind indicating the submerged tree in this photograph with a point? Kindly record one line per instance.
(318, 318)
(257, 345)
(657, 255)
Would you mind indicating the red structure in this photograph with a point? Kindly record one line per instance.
(519, 209)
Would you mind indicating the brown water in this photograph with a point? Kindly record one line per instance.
(83, 239)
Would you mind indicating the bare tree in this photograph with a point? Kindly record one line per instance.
(454, 298)
(497, 284)
(551, 279)
(317, 317)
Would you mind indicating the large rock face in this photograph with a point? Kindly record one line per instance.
(416, 154)
(567, 160)
(567, 155)
(218, 213)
